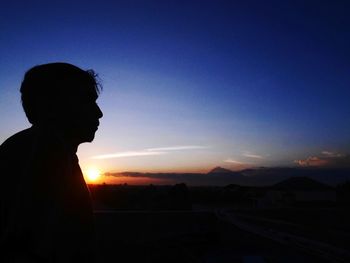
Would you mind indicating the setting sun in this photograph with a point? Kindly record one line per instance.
(92, 174)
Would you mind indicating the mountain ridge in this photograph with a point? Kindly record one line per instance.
(251, 177)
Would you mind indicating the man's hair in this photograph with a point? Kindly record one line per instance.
(45, 89)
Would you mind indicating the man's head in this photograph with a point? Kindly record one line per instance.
(63, 96)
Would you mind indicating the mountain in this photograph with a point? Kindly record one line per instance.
(250, 177)
(220, 170)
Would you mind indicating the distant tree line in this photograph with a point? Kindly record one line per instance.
(181, 197)
(150, 197)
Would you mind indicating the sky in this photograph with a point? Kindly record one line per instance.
(190, 85)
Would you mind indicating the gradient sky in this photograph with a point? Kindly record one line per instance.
(189, 85)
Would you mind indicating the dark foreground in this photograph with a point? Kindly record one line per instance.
(199, 236)
(297, 220)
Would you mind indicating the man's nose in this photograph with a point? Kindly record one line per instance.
(99, 112)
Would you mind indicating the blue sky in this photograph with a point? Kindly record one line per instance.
(259, 83)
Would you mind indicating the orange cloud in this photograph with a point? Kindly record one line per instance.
(327, 159)
(312, 161)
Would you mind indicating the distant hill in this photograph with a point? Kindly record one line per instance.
(269, 176)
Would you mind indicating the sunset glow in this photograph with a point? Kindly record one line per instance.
(92, 175)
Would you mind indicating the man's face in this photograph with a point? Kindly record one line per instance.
(84, 115)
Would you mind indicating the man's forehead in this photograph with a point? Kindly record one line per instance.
(81, 94)
(85, 89)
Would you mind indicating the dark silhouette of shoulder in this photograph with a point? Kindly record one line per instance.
(45, 205)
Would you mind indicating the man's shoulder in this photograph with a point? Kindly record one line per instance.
(31, 141)
(13, 155)
(33, 149)
(18, 142)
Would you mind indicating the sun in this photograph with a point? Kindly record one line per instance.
(92, 174)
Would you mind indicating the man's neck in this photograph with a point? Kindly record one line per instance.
(62, 135)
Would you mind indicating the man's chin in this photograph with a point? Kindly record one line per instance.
(90, 139)
(87, 138)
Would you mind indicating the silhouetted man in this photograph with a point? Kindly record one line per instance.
(46, 213)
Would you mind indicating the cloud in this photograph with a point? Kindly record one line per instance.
(332, 154)
(148, 152)
(312, 161)
(232, 161)
(237, 165)
(327, 159)
(178, 148)
(255, 156)
(127, 154)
